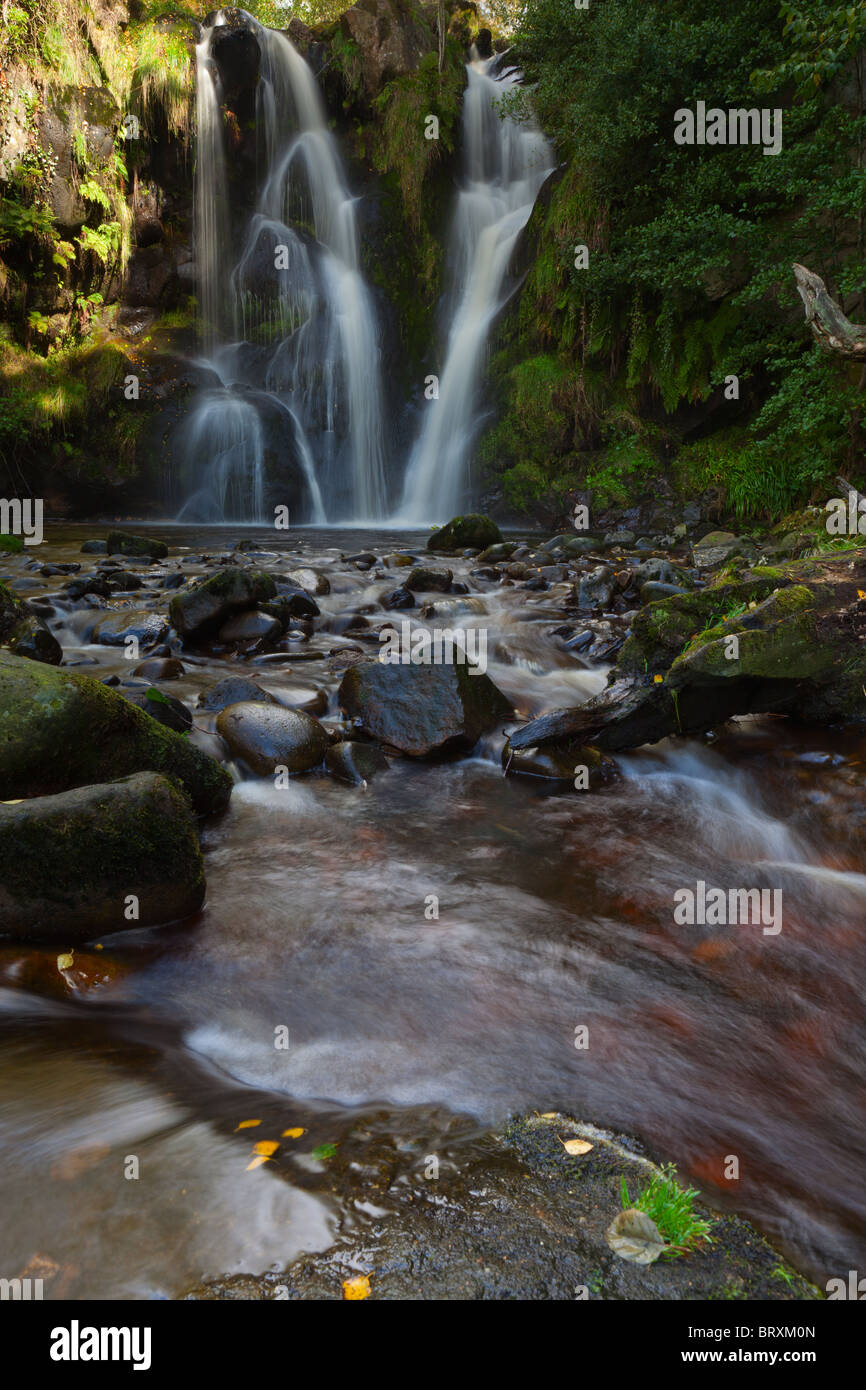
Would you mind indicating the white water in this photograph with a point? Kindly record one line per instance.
(298, 293)
(505, 163)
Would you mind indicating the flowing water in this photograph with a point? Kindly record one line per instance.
(506, 160)
(555, 912)
(289, 326)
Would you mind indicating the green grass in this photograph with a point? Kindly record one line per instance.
(671, 1207)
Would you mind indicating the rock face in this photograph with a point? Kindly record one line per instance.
(463, 532)
(203, 609)
(422, 709)
(267, 737)
(388, 44)
(69, 863)
(59, 729)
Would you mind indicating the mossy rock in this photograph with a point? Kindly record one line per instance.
(121, 543)
(59, 730)
(70, 863)
(201, 610)
(464, 532)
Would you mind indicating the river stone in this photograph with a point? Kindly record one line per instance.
(596, 588)
(167, 710)
(398, 598)
(421, 709)
(248, 627)
(654, 589)
(147, 628)
(502, 550)
(270, 736)
(474, 530)
(160, 668)
(69, 862)
(143, 547)
(59, 729)
(427, 581)
(292, 603)
(311, 581)
(232, 691)
(94, 548)
(717, 547)
(355, 762)
(203, 609)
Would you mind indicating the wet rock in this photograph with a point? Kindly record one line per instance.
(144, 547)
(502, 550)
(421, 709)
(94, 548)
(311, 581)
(167, 710)
(363, 561)
(32, 637)
(398, 598)
(267, 737)
(474, 530)
(69, 862)
(203, 609)
(584, 768)
(719, 546)
(49, 571)
(88, 584)
(292, 603)
(654, 589)
(59, 729)
(234, 690)
(355, 762)
(427, 581)
(656, 570)
(620, 539)
(158, 668)
(126, 580)
(115, 630)
(596, 588)
(397, 562)
(250, 627)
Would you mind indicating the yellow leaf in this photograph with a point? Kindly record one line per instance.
(576, 1146)
(248, 1124)
(266, 1147)
(861, 593)
(548, 1115)
(293, 1133)
(356, 1287)
(65, 962)
(11, 803)
(255, 1163)
(657, 680)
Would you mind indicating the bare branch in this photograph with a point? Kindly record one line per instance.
(830, 328)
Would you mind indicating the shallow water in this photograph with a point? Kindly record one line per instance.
(555, 913)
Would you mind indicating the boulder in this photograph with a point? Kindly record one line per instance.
(202, 609)
(148, 629)
(59, 729)
(474, 530)
(596, 588)
(250, 627)
(311, 581)
(70, 863)
(267, 737)
(143, 547)
(427, 581)
(420, 709)
(719, 546)
(355, 762)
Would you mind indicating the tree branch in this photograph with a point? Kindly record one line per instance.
(830, 328)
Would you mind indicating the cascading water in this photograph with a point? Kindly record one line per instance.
(291, 331)
(506, 162)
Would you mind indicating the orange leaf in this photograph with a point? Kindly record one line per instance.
(248, 1124)
(293, 1133)
(356, 1287)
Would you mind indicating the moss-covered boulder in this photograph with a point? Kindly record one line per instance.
(202, 609)
(420, 709)
(25, 633)
(140, 547)
(99, 859)
(59, 729)
(474, 532)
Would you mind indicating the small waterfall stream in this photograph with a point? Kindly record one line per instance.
(505, 164)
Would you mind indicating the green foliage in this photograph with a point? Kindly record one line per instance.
(671, 1207)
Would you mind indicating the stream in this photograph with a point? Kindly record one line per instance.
(555, 913)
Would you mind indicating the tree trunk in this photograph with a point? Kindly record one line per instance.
(830, 328)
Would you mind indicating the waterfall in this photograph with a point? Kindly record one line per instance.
(290, 322)
(505, 163)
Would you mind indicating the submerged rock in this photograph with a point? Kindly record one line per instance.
(59, 729)
(232, 691)
(421, 709)
(148, 629)
(267, 737)
(121, 543)
(71, 863)
(422, 580)
(32, 637)
(474, 530)
(202, 610)
(355, 762)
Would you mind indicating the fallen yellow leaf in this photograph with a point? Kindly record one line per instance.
(548, 1114)
(576, 1146)
(65, 962)
(657, 680)
(263, 1150)
(255, 1163)
(356, 1287)
(248, 1124)
(293, 1133)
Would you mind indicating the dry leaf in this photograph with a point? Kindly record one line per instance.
(635, 1236)
(356, 1287)
(248, 1124)
(576, 1146)
(265, 1149)
(293, 1133)
(65, 962)
(657, 680)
